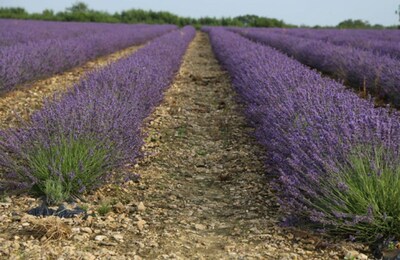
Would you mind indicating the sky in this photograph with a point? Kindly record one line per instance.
(306, 12)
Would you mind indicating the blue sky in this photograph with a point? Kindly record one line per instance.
(308, 12)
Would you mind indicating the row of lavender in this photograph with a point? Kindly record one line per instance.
(358, 68)
(381, 42)
(73, 143)
(25, 62)
(13, 32)
(336, 157)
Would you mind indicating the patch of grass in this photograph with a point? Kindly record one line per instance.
(67, 167)
(114, 201)
(201, 152)
(3, 197)
(22, 255)
(152, 136)
(85, 207)
(391, 245)
(364, 196)
(181, 131)
(104, 208)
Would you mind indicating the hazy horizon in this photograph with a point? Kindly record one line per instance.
(306, 12)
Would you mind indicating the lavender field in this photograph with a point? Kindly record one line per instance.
(369, 68)
(37, 49)
(259, 143)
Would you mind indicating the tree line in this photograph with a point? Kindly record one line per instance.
(80, 12)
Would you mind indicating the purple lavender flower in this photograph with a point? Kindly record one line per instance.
(50, 47)
(360, 68)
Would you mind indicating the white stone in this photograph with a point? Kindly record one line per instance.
(141, 207)
(118, 237)
(100, 238)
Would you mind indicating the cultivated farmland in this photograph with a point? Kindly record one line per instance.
(152, 141)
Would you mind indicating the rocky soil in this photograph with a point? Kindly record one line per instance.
(202, 194)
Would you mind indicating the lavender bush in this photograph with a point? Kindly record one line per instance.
(381, 42)
(93, 128)
(312, 129)
(368, 183)
(14, 32)
(388, 35)
(33, 60)
(78, 163)
(378, 74)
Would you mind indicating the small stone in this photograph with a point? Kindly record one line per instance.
(228, 248)
(141, 207)
(86, 256)
(76, 230)
(200, 227)
(351, 254)
(28, 218)
(270, 248)
(119, 208)
(16, 245)
(132, 209)
(140, 224)
(105, 243)
(87, 230)
(118, 237)
(110, 218)
(154, 244)
(5, 204)
(362, 257)
(100, 238)
(89, 220)
(79, 238)
(130, 183)
(309, 247)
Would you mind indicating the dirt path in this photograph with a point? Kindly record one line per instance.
(29, 97)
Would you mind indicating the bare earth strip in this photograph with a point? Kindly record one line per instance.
(29, 97)
(202, 193)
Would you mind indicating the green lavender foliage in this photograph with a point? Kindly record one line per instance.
(80, 163)
(362, 198)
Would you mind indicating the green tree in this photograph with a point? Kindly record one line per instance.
(13, 12)
(78, 7)
(355, 24)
